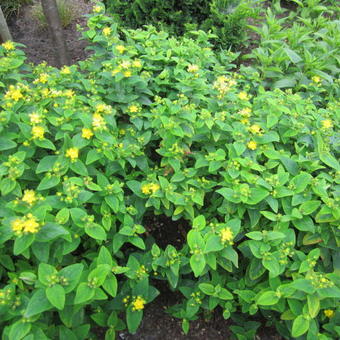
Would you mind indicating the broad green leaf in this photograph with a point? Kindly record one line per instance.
(300, 326)
(197, 263)
(267, 299)
(56, 296)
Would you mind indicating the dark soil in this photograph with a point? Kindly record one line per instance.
(27, 30)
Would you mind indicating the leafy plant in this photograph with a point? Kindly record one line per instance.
(225, 18)
(157, 125)
(11, 7)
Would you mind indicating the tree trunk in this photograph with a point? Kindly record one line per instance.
(51, 13)
(4, 31)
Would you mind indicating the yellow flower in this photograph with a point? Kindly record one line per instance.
(138, 303)
(65, 70)
(8, 45)
(137, 63)
(329, 313)
(192, 68)
(115, 71)
(252, 145)
(98, 122)
(86, 133)
(29, 197)
(243, 95)
(42, 78)
(69, 93)
(14, 94)
(38, 132)
(107, 31)
(35, 118)
(255, 128)
(244, 121)
(97, 9)
(17, 225)
(316, 79)
(150, 188)
(125, 64)
(133, 108)
(30, 224)
(327, 124)
(127, 74)
(72, 153)
(103, 108)
(226, 234)
(121, 49)
(246, 112)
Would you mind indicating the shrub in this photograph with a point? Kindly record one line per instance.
(298, 47)
(152, 125)
(11, 7)
(227, 19)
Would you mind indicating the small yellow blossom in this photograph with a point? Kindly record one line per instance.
(243, 95)
(327, 124)
(192, 68)
(38, 132)
(255, 129)
(150, 188)
(69, 93)
(72, 153)
(246, 112)
(86, 133)
(8, 45)
(115, 71)
(121, 49)
(244, 121)
(17, 225)
(98, 122)
(26, 224)
(127, 74)
(35, 118)
(137, 63)
(107, 31)
(226, 234)
(31, 225)
(65, 70)
(329, 313)
(252, 145)
(29, 197)
(103, 108)
(316, 79)
(138, 303)
(133, 108)
(97, 9)
(43, 78)
(13, 93)
(125, 64)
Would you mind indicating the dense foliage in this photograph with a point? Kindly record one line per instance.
(10, 7)
(227, 19)
(152, 125)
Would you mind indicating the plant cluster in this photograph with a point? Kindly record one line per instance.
(227, 19)
(156, 125)
(11, 7)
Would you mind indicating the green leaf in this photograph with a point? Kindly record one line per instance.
(84, 293)
(96, 231)
(199, 222)
(267, 299)
(19, 329)
(133, 319)
(207, 288)
(329, 160)
(257, 195)
(111, 285)
(79, 168)
(51, 231)
(6, 144)
(23, 242)
(99, 274)
(72, 273)
(300, 326)
(7, 185)
(112, 202)
(272, 264)
(195, 240)
(197, 263)
(309, 207)
(45, 271)
(313, 303)
(38, 303)
(293, 56)
(56, 296)
(305, 224)
(213, 243)
(48, 183)
(46, 164)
